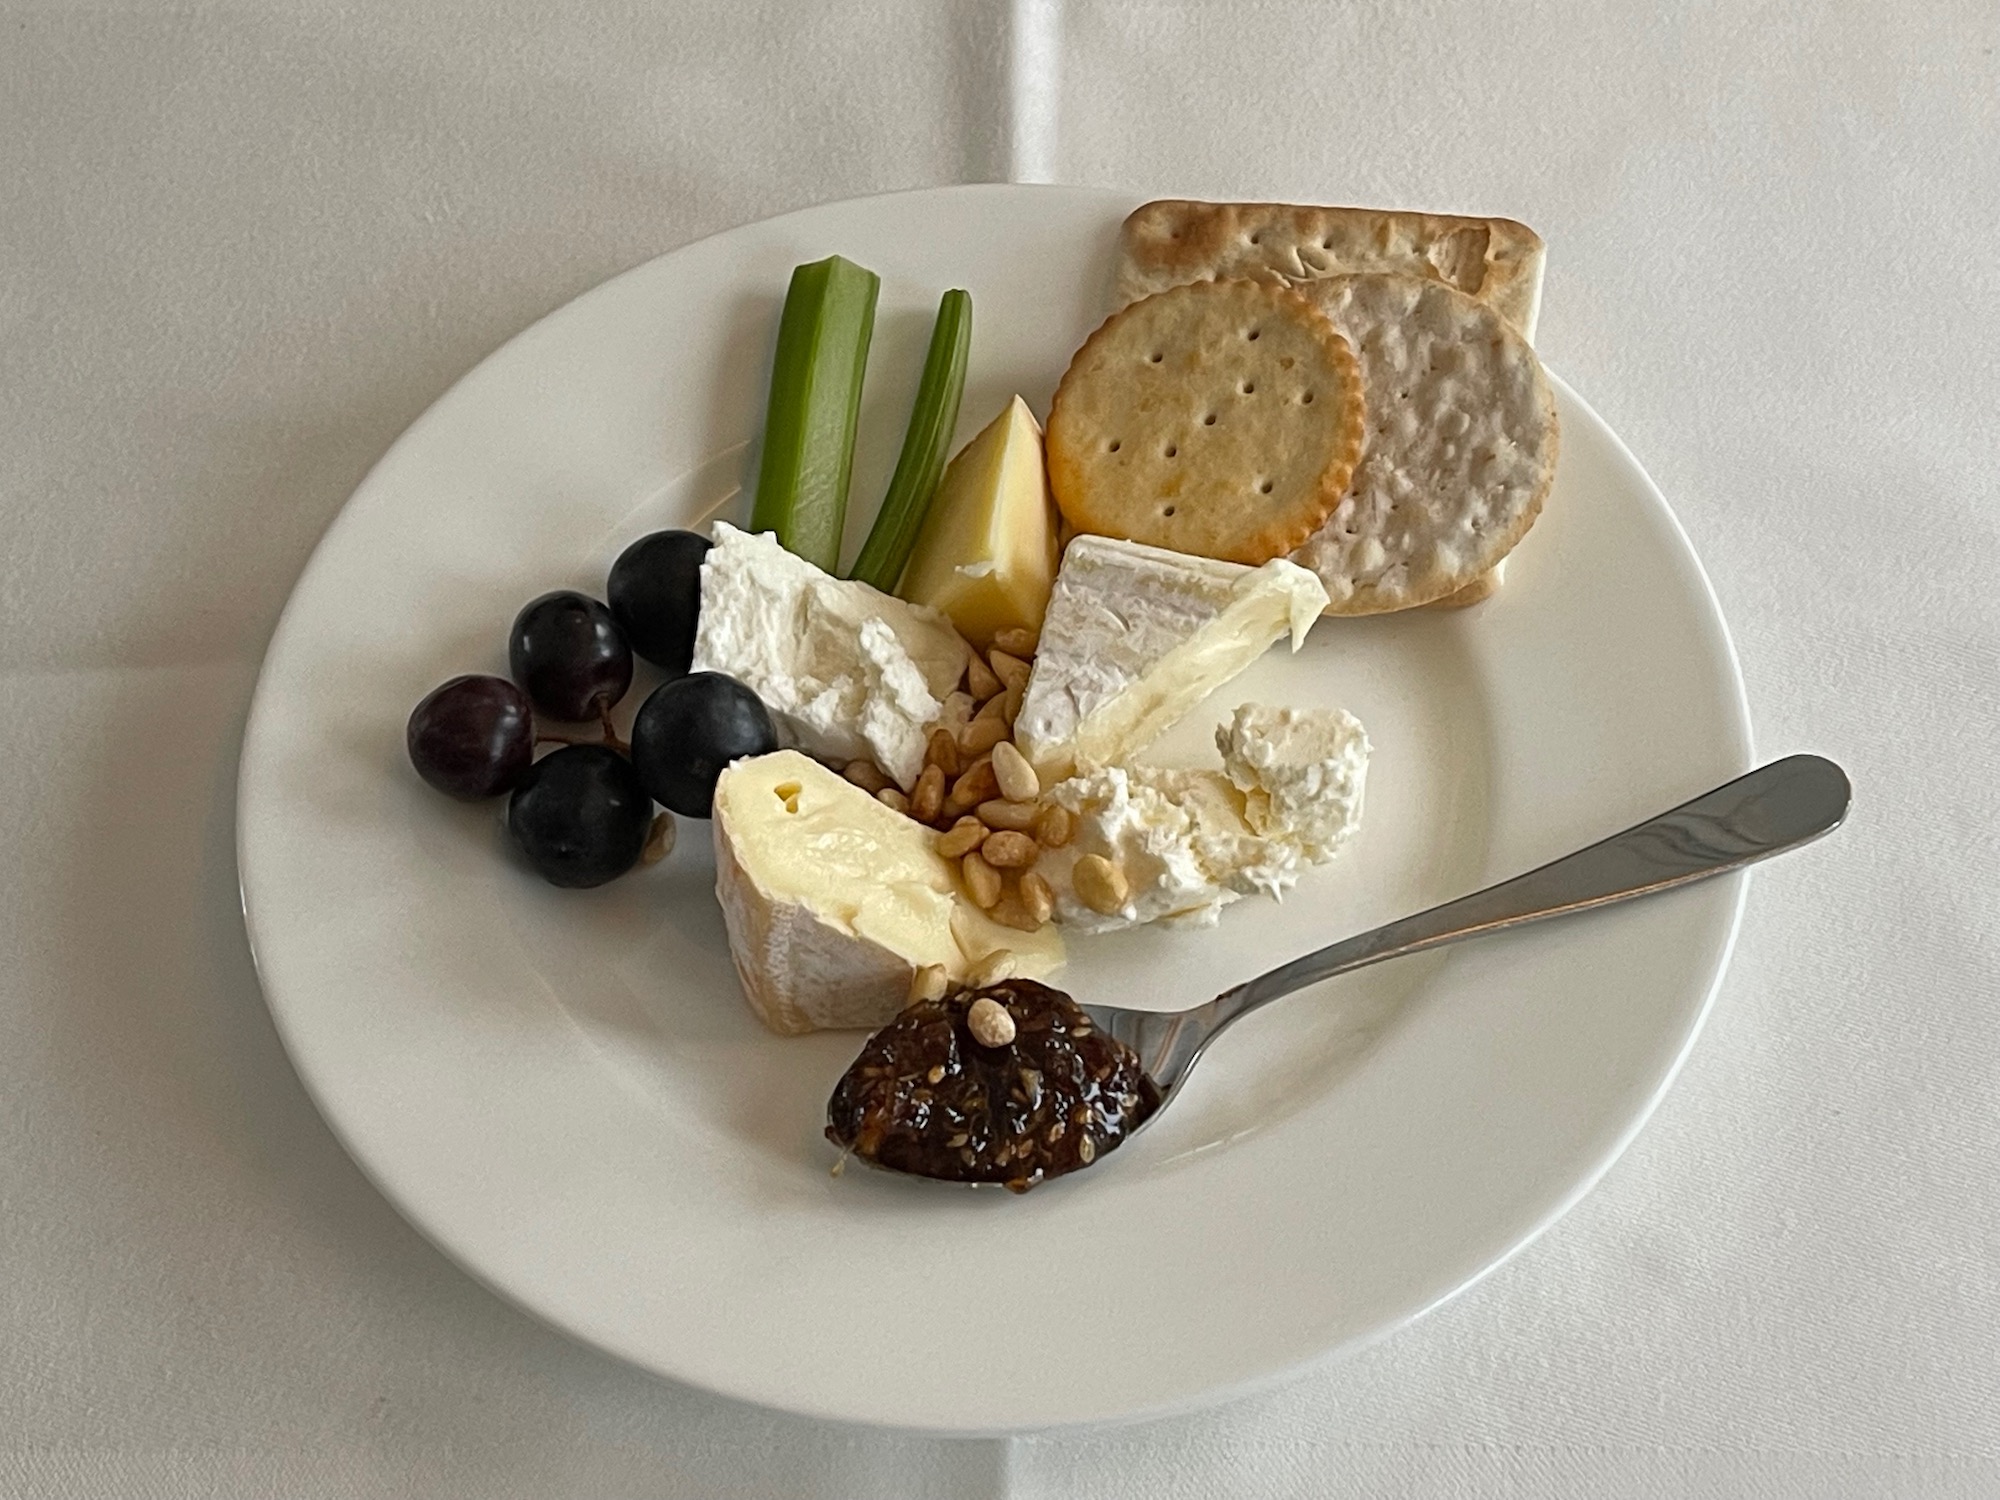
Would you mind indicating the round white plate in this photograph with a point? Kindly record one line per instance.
(564, 1091)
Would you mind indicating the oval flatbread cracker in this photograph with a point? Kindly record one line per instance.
(1460, 446)
(1221, 418)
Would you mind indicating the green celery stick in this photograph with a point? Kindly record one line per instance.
(925, 447)
(822, 354)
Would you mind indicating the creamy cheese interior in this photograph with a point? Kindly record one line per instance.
(832, 900)
(1135, 636)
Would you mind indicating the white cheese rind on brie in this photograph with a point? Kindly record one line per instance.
(847, 671)
(833, 901)
(1191, 842)
(1136, 636)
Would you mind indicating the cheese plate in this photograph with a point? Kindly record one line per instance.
(564, 1089)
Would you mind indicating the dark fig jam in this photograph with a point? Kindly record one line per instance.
(925, 1097)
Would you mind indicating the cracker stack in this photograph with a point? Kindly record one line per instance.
(1216, 412)
(1175, 241)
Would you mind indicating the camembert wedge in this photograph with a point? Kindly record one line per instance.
(987, 553)
(833, 901)
(1136, 636)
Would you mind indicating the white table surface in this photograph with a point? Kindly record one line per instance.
(241, 247)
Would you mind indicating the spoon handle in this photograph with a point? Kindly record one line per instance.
(1772, 809)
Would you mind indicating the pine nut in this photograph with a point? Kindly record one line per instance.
(866, 775)
(979, 679)
(928, 797)
(1054, 826)
(988, 1021)
(928, 983)
(1010, 701)
(1012, 911)
(962, 838)
(1100, 885)
(1015, 640)
(982, 881)
(1038, 896)
(1018, 781)
(892, 799)
(1015, 817)
(1008, 668)
(1007, 850)
(975, 784)
(998, 965)
(941, 750)
(982, 735)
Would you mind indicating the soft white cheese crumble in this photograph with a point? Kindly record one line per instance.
(1191, 842)
(847, 671)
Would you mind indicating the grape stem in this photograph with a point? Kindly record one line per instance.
(610, 730)
(607, 731)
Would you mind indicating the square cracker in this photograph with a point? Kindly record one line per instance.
(1173, 240)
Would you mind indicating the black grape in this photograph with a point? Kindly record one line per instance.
(689, 730)
(473, 737)
(581, 816)
(570, 656)
(655, 596)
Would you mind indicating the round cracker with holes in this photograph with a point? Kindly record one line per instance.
(1459, 452)
(1221, 418)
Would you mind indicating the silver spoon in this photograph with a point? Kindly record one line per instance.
(1774, 808)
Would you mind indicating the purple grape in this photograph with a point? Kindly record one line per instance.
(581, 816)
(472, 738)
(689, 730)
(570, 656)
(655, 595)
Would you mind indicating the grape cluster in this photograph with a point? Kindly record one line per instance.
(583, 814)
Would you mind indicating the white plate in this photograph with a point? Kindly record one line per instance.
(565, 1093)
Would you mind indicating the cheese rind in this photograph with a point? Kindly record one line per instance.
(846, 670)
(1135, 636)
(986, 555)
(833, 901)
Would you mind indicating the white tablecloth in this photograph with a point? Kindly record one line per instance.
(241, 247)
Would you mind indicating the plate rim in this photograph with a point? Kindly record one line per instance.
(257, 730)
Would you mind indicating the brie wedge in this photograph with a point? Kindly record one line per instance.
(833, 901)
(846, 670)
(1136, 636)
